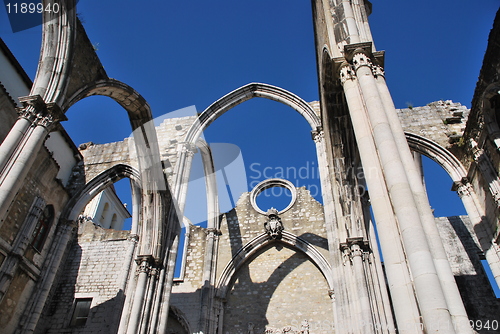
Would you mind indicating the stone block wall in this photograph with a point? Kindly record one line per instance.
(98, 267)
(278, 287)
(440, 121)
(464, 254)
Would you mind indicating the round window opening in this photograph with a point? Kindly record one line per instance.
(273, 193)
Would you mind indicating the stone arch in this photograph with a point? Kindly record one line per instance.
(100, 182)
(259, 243)
(180, 318)
(246, 93)
(138, 109)
(439, 154)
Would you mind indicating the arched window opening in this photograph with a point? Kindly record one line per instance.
(42, 228)
(109, 208)
(275, 197)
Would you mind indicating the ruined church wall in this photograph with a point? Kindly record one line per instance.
(39, 183)
(99, 265)
(440, 121)
(464, 255)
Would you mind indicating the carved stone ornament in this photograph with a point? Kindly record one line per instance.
(346, 73)
(378, 71)
(361, 59)
(273, 225)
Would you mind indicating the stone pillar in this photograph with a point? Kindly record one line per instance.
(400, 284)
(352, 27)
(430, 294)
(13, 139)
(340, 311)
(44, 117)
(31, 316)
(136, 314)
(481, 226)
(415, 177)
(182, 172)
(354, 249)
(21, 242)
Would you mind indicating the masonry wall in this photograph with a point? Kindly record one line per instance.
(98, 267)
(20, 272)
(464, 254)
(440, 121)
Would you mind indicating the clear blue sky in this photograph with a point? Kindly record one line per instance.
(178, 54)
(182, 53)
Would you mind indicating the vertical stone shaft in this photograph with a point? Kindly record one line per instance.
(361, 286)
(443, 268)
(63, 237)
(400, 285)
(12, 181)
(138, 301)
(331, 228)
(12, 140)
(472, 206)
(430, 294)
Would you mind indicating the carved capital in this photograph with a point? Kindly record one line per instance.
(213, 232)
(38, 112)
(352, 248)
(318, 135)
(145, 263)
(346, 73)
(377, 71)
(189, 149)
(360, 59)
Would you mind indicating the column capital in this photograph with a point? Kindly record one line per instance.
(346, 72)
(354, 247)
(318, 135)
(378, 71)
(36, 111)
(189, 149)
(361, 58)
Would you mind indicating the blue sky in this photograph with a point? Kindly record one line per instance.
(183, 53)
(178, 54)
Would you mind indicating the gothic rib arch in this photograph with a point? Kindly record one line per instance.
(97, 184)
(439, 154)
(139, 111)
(246, 93)
(260, 242)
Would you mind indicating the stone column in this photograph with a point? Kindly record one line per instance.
(340, 312)
(400, 284)
(481, 227)
(32, 313)
(18, 166)
(136, 314)
(430, 294)
(21, 242)
(182, 172)
(415, 177)
(354, 249)
(12, 140)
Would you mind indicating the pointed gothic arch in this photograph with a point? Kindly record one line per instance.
(100, 182)
(246, 93)
(138, 110)
(260, 242)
